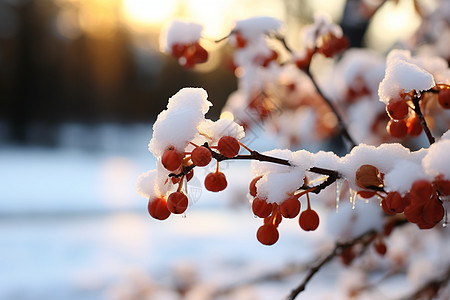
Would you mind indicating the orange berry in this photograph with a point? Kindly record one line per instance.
(397, 109)
(228, 146)
(157, 208)
(171, 159)
(442, 185)
(397, 128)
(177, 202)
(414, 126)
(252, 186)
(444, 98)
(309, 220)
(395, 203)
(290, 207)
(261, 208)
(215, 182)
(368, 176)
(201, 156)
(267, 234)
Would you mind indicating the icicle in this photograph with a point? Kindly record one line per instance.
(353, 198)
(339, 183)
(445, 223)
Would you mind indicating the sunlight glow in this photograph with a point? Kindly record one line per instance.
(227, 115)
(141, 14)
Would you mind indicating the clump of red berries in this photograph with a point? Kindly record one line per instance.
(332, 45)
(190, 54)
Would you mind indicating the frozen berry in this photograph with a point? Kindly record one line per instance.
(261, 208)
(414, 126)
(171, 159)
(252, 186)
(444, 98)
(397, 109)
(309, 220)
(228, 146)
(215, 182)
(267, 234)
(177, 202)
(157, 208)
(290, 207)
(397, 128)
(201, 156)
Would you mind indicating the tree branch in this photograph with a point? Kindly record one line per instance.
(423, 122)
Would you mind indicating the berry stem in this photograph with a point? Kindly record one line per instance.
(245, 147)
(423, 122)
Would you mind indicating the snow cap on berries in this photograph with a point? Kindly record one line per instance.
(437, 160)
(179, 32)
(154, 183)
(254, 27)
(403, 175)
(177, 125)
(402, 75)
(322, 25)
(222, 127)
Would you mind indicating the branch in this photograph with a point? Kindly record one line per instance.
(418, 111)
(365, 239)
(330, 104)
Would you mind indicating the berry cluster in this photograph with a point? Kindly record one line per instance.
(403, 120)
(420, 205)
(331, 45)
(273, 213)
(190, 54)
(182, 164)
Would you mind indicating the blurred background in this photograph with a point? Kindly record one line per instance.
(81, 82)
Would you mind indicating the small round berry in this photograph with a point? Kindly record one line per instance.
(368, 176)
(397, 109)
(171, 159)
(290, 207)
(177, 202)
(444, 98)
(228, 146)
(413, 213)
(433, 211)
(442, 185)
(178, 50)
(397, 128)
(309, 220)
(240, 41)
(201, 156)
(380, 247)
(157, 208)
(395, 203)
(422, 190)
(347, 255)
(387, 210)
(215, 182)
(252, 186)
(366, 194)
(267, 234)
(261, 208)
(414, 126)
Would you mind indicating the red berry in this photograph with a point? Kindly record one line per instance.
(177, 202)
(397, 128)
(347, 255)
(386, 208)
(414, 126)
(366, 194)
(157, 208)
(252, 186)
(395, 203)
(171, 159)
(201, 156)
(444, 98)
(201, 55)
(333, 45)
(397, 109)
(228, 146)
(442, 185)
(368, 176)
(413, 213)
(178, 50)
(433, 211)
(240, 40)
(290, 207)
(309, 220)
(267, 234)
(261, 208)
(422, 190)
(380, 247)
(215, 182)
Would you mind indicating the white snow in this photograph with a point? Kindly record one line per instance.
(214, 130)
(403, 175)
(437, 160)
(179, 32)
(253, 27)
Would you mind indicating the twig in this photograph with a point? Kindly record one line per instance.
(423, 122)
(330, 104)
(365, 238)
